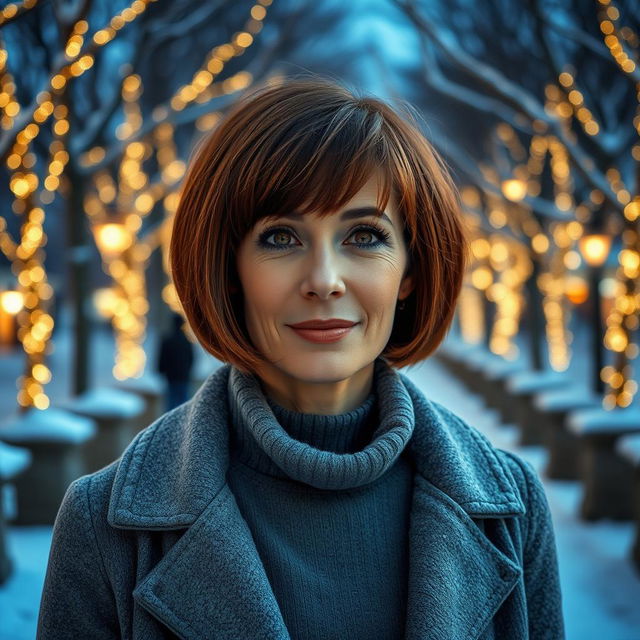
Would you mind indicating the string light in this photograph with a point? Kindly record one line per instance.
(127, 270)
(35, 324)
(14, 9)
(622, 319)
(476, 280)
(614, 37)
(511, 264)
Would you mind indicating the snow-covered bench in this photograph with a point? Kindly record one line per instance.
(496, 373)
(562, 445)
(13, 461)
(118, 416)
(463, 359)
(606, 476)
(479, 369)
(521, 389)
(54, 438)
(629, 448)
(151, 387)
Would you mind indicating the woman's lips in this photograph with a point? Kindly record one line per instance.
(323, 335)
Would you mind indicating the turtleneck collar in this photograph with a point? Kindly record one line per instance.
(325, 451)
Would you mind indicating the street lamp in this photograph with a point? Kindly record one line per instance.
(112, 238)
(576, 289)
(595, 248)
(11, 303)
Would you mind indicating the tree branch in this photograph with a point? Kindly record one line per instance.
(518, 98)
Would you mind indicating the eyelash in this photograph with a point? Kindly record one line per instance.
(383, 237)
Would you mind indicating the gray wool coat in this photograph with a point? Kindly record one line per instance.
(154, 546)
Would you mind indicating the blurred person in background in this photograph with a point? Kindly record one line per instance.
(175, 361)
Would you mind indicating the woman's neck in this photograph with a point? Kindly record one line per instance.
(331, 397)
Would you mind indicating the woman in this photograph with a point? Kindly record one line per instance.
(309, 489)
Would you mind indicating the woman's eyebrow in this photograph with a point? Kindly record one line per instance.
(349, 214)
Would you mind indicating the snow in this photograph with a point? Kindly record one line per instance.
(531, 381)
(13, 460)
(147, 383)
(629, 447)
(105, 402)
(568, 398)
(600, 420)
(49, 425)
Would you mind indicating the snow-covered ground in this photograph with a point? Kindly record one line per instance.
(601, 589)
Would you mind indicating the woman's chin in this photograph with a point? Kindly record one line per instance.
(322, 367)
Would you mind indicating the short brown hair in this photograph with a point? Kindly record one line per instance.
(309, 144)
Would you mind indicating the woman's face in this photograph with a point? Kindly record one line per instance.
(303, 268)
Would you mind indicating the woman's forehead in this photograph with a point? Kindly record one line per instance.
(369, 196)
(349, 212)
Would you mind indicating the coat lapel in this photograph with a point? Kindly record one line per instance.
(458, 576)
(212, 583)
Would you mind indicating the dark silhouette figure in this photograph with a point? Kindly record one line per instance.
(175, 360)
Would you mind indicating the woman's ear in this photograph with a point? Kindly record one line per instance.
(406, 287)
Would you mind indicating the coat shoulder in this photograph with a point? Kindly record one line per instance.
(88, 497)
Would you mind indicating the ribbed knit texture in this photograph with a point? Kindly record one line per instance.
(297, 449)
(327, 499)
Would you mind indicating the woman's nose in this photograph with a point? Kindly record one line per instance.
(323, 275)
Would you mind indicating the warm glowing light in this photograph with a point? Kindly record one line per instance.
(514, 189)
(112, 238)
(11, 301)
(104, 300)
(576, 289)
(595, 248)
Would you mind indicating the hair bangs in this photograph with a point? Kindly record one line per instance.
(322, 167)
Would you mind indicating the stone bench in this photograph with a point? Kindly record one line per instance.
(118, 415)
(54, 438)
(151, 387)
(474, 362)
(520, 410)
(495, 374)
(13, 461)
(563, 446)
(606, 477)
(459, 357)
(628, 447)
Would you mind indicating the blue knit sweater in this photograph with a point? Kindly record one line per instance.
(327, 499)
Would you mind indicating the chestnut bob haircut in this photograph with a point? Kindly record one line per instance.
(309, 144)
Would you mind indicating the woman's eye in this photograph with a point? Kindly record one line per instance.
(279, 242)
(280, 237)
(366, 237)
(362, 235)
(379, 236)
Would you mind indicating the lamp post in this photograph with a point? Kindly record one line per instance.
(11, 303)
(594, 248)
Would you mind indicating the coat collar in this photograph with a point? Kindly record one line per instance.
(173, 476)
